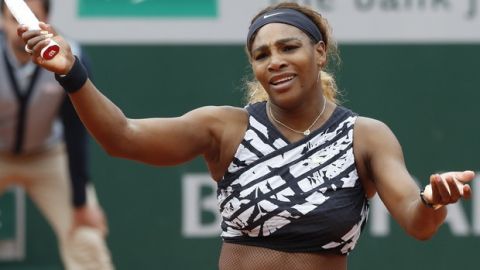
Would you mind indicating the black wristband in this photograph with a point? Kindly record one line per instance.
(74, 79)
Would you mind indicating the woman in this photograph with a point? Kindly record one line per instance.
(294, 169)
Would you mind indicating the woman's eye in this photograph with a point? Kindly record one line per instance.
(260, 56)
(290, 48)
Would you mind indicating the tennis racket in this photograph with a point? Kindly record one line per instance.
(24, 15)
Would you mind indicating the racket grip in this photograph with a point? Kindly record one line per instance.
(50, 50)
(24, 15)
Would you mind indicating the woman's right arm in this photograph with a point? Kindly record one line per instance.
(158, 141)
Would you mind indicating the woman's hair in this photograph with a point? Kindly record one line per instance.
(256, 92)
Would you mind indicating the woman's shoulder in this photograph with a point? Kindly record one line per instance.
(222, 109)
(369, 123)
(373, 133)
(370, 126)
(226, 114)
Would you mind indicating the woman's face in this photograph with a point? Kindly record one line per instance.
(286, 63)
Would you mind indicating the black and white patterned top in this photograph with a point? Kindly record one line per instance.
(298, 197)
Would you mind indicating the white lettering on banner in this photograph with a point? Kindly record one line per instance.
(457, 220)
(353, 21)
(193, 204)
(395, 5)
(379, 220)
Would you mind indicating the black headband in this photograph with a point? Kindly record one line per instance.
(287, 16)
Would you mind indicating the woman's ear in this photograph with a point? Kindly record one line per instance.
(320, 54)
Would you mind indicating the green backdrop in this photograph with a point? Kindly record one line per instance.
(427, 94)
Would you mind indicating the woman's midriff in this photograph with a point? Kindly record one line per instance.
(243, 257)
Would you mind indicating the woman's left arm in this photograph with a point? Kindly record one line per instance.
(383, 158)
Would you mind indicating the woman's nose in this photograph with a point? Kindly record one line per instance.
(276, 62)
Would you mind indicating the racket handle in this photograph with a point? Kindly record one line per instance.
(24, 15)
(50, 50)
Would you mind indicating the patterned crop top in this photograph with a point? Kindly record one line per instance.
(296, 197)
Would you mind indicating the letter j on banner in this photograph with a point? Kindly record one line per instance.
(147, 8)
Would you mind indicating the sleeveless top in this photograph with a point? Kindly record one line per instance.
(304, 196)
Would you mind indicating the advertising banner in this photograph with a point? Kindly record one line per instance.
(226, 21)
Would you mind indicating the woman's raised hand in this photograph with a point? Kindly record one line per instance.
(36, 40)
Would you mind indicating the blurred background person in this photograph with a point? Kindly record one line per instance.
(44, 149)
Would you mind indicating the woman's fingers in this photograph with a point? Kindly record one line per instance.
(467, 191)
(464, 177)
(450, 187)
(439, 188)
(38, 42)
(21, 29)
(48, 27)
(436, 193)
(456, 189)
(36, 39)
